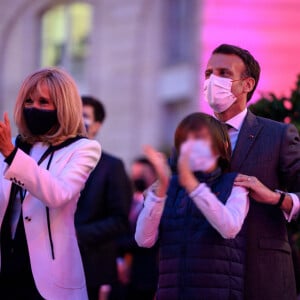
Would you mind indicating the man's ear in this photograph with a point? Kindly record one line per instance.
(249, 84)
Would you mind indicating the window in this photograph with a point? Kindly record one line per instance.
(65, 37)
(179, 30)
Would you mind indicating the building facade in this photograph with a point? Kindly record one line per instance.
(144, 59)
(138, 56)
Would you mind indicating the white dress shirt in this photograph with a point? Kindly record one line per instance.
(227, 218)
(235, 124)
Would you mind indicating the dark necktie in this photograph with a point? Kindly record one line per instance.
(228, 126)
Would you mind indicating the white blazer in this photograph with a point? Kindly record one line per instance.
(59, 189)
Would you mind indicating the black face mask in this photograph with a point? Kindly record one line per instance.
(40, 121)
(140, 184)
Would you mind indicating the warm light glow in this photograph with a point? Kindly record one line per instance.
(268, 29)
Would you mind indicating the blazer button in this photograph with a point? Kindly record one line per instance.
(28, 219)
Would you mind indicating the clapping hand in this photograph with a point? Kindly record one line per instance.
(186, 176)
(6, 146)
(162, 169)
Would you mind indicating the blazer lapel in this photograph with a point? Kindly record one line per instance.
(248, 133)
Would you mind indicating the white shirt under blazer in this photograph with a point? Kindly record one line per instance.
(59, 189)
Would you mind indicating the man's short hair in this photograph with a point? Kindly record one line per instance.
(252, 68)
(98, 107)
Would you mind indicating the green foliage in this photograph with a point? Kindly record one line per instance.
(284, 109)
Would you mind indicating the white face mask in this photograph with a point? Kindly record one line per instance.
(217, 92)
(200, 154)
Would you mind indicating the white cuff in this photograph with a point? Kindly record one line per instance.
(151, 197)
(295, 209)
(198, 190)
(154, 205)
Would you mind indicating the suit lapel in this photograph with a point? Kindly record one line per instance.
(248, 134)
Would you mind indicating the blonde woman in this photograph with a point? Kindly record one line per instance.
(44, 171)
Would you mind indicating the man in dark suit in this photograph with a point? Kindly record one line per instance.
(267, 153)
(102, 213)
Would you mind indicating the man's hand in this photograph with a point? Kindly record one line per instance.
(162, 169)
(257, 190)
(6, 146)
(261, 193)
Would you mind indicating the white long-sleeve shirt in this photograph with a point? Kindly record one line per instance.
(227, 218)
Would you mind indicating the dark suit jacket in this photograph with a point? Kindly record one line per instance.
(101, 217)
(270, 151)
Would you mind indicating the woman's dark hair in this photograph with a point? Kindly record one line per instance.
(252, 68)
(98, 107)
(197, 121)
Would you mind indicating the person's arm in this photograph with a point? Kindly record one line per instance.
(226, 219)
(289, 173)
(147, 227)
(146, 233)
(55, 190)
(118, 197)
(290, 170)
(260, 193)
(6, 146)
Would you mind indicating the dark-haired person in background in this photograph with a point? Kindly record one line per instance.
(268, 153)
(144, 268)
(102, 213)
(138, 267)
(142, 176)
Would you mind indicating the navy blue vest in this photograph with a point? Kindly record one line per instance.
(196, 262)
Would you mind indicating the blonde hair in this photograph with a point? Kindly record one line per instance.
(64, 93)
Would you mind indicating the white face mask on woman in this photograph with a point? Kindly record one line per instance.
(217, 92)
(201, 157)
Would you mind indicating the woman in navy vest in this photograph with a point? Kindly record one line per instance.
(197, 216)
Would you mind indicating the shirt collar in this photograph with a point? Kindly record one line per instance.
(237, 121)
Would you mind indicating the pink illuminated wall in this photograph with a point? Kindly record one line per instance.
(269, 29)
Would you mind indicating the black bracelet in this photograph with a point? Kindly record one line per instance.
(9, 159)
(281, 198)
